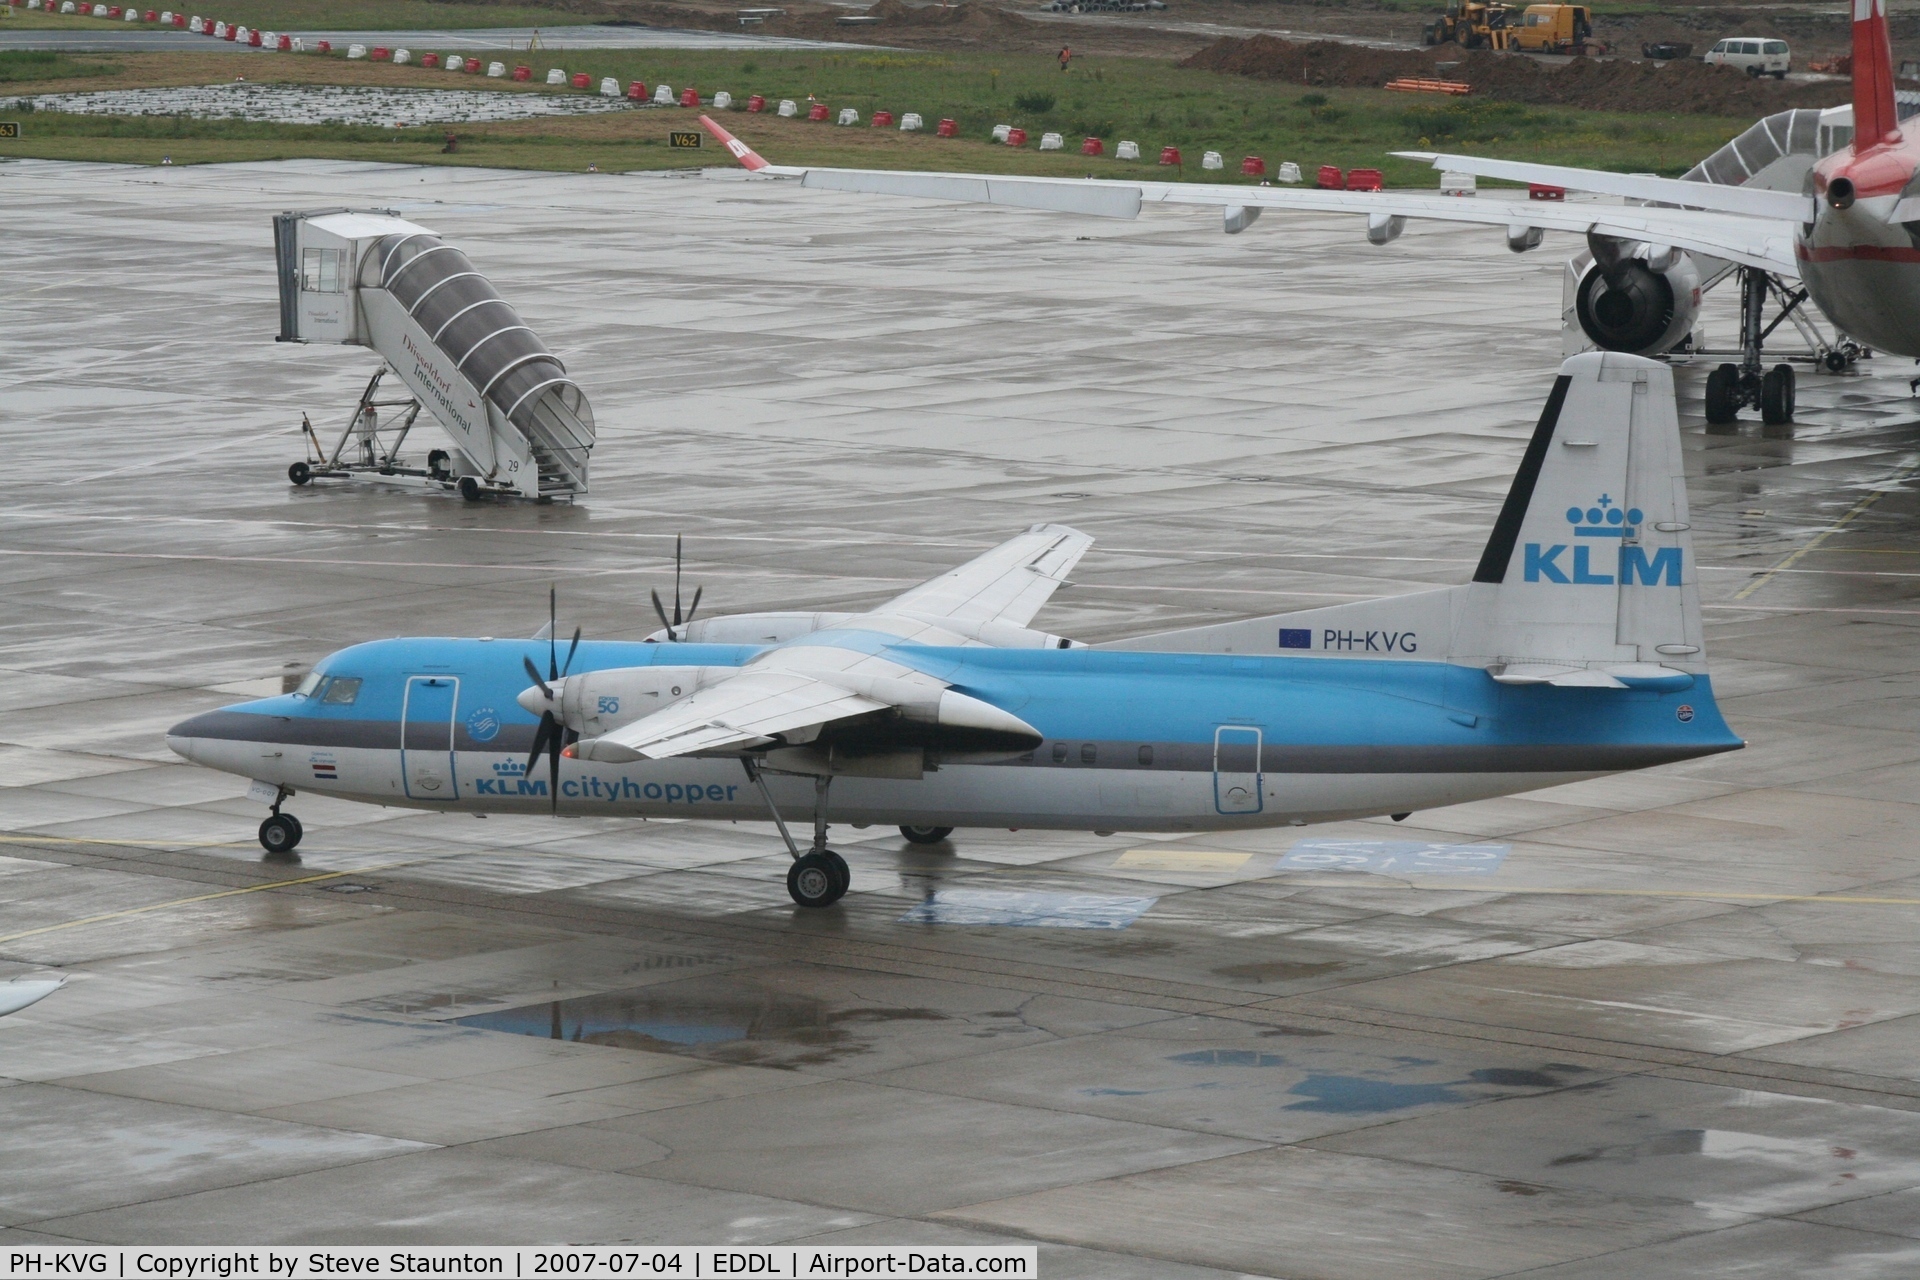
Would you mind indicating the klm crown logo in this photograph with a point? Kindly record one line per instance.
(509, 768)
(1604, 520)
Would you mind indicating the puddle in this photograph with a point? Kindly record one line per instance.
(717, 1018)
(1395, 857)
(326, 104)
(1357, 1095)
(1280, 971)
(1030, 910)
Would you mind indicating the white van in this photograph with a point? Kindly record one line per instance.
(1759, 57)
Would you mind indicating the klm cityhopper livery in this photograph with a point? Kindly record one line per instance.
(1575, 651)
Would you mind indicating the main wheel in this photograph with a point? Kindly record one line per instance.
(812, 882)
(279, 833)
(299, 473)
(926, 835)
(1776, 395)
(1723, 395)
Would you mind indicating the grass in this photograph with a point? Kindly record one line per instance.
(1151, 102)
(324, 15)
(21, 65)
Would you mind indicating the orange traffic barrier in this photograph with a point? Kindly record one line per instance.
(946, 129)
(1364, 180)
(1541, 191)
(1093, 147)
(1169, 155)
(1331, 179)
(757, 103)
(1252, 167)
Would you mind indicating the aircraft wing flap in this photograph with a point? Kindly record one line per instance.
(1100, 199)
(749, 707)
(1007, 584)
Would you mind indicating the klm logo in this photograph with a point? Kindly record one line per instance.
(509, 780)
(1631, 564)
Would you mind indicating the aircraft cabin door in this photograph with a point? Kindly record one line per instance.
(426, 738)
(1236, 769)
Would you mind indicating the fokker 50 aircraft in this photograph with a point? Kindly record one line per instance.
(1575, 651)
(1849, 231)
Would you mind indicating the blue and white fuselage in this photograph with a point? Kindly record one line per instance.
(1136, 741)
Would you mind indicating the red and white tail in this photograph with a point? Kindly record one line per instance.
(747, 156)
(1875, 119)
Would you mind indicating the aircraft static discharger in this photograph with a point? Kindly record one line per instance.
(1849, 233)
(1575, 651)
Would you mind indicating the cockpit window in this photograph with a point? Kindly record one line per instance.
(342, 690)
(308, 685)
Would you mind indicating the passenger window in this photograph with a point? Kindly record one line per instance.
(342, 690)
(1752, 46)
(1088, 753)
(1146, 755)
(1719, 48)
(1776, 46)
(1059, 753)
(320, 271)
(307, 686)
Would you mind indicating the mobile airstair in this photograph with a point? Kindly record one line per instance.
(519, 426)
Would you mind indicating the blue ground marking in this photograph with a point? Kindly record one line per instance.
(1395, 857)
(1043, 910)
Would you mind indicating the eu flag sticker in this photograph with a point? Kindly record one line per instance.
(1296, 638)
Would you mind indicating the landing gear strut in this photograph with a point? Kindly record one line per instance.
(281, 832)
(1733, 387)
(819, 877)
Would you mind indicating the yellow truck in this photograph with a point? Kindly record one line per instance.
(1554, 28)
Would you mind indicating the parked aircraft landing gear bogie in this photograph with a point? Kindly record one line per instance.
(1776, 395)
(926, 835)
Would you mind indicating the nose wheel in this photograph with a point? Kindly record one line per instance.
(281, 833)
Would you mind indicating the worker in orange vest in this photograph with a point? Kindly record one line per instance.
(1066, 56)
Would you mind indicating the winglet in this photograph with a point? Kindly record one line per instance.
(745, 154)
(1875, 117)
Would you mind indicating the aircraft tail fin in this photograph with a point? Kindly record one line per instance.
(1875, 117)
(1590, 564)
(1588, 577)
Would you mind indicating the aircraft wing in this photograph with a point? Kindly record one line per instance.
(1758, 202)
(749, 707)
(1747, 237)
(1007, 584)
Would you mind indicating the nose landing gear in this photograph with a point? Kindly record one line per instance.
(280, 833)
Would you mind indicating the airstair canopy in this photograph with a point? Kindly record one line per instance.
(375, 280)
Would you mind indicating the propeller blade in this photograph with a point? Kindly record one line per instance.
(540, 736)
(553, 627)
(571, 650)
(553, 772)
(695, 606)
(535, 673)
(676, 580)
(662, 611)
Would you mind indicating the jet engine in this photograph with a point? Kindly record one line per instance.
(1641, 299)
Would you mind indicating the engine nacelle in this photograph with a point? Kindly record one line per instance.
(597, 702)
(1641, 311)
(753, 628)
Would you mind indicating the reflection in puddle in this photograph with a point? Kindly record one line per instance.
(1357, 1095)
(1367, 1094)
(724, 1019)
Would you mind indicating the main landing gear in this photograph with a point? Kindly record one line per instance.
(926, 835)
(1733, 387)
(819, 877)
(280, 833)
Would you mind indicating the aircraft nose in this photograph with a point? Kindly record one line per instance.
(181, 737)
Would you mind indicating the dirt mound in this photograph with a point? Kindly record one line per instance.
(1610, 85)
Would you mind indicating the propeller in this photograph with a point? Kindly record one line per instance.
(673, 626)
(550, 737)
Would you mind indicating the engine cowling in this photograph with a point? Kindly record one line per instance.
(1639, 310)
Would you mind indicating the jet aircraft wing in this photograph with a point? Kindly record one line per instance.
(1745, 235)
(1007, 584)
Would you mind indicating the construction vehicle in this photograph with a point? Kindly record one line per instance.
(1473, 24)
(1554, 28)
